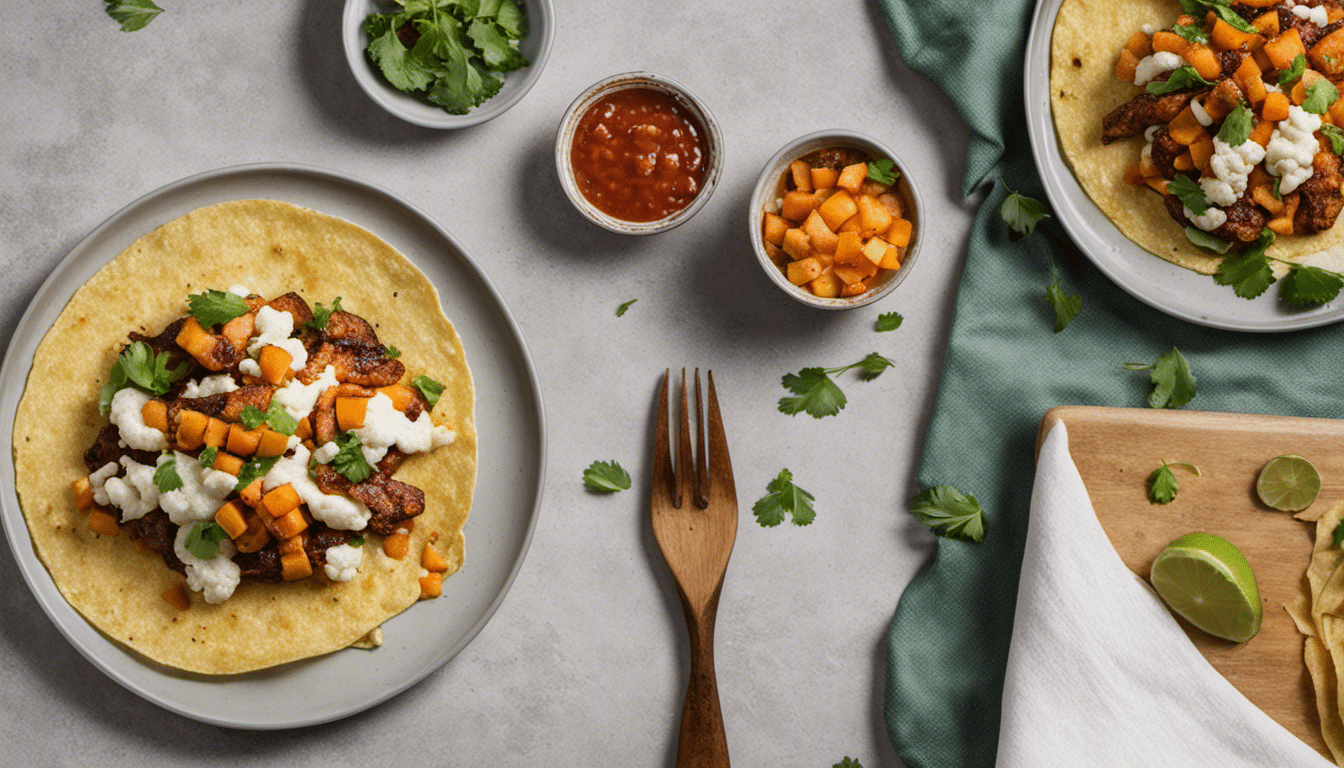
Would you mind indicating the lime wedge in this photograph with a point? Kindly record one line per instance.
(1288, 483)
(1206, 579)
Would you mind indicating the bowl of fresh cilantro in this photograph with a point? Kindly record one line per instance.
(447, 63)
(835, 221)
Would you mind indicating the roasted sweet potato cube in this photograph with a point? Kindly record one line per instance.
(272, 443)
(103, 522)
(1267, 23)
(796, 205)
(292, 544)
(826, 285)
(851, 177)
(801, 173)
(177, 596)
(892, 258)
(255, 537)
(1204, 60)
(850, 275)
(216, 432)
(854, 289)
(873, 187)
(191, 429)
(350, 412)
(83, 494)
(1327, 55)
(824, 178)
(1166, 40)
(892, 202)
(1127, 66)
(1225, 37)
(155, 414)
(295, 566)
(431, 585)
(797, 244)
(1284, 48)
(848, 247)
(280, 500)
(227, 463)
(838, 208)
(432, 561)
(304, 430)
(230, 518)
(242, 441)
(274, 363)
(821, 237)
(289, 524)
(396, 545)
(773, 227)
(898, 233)
(873, 216)
(875, 249)
(803, 270)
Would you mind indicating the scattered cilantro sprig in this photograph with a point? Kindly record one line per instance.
(1022, 213)
(784, 499)
(889, 321)
(207, 457)
(1221, 8)
(1067, 305)
(1162, 486)
(848, 762)
(138, 366)
(431, 389)
(625, 306)
(1320, 95)
(1250, 273)
(203, 539)
(166, 478)
(606, 477)
(815, 392)
(1294, 70)
(255, 468)
(133, 15)
(214, 307)
(322, 314)
(458, 51)
(1173, 381)
(1180, 79)
(950, 513)
(883, 171)
(349, 461)
(1191, 195)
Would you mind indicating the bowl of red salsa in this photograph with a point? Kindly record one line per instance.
(638, 153)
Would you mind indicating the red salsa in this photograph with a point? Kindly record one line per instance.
(639, 155)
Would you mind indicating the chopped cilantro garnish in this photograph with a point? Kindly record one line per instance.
(166, 478)
(1022, 213)
(950, 513)
(1194, 34)
(782, 499)
(1205, 240)
(322, 314)
(889, 321)
(1248, 272)
(392, 352)
(208, 455)
(349, 461)
(1336, 137)
(1179, 79)
(1188, 191)
(1067, 305)
(355, 540)
(279, 419)
(815, 392)
(1306, 284)
(138, 366)
(215, 307)
(1237, 127)
(1294, 70)
(1320, 95)
(1221, 8)
(256, 467)
(883, 171)
(1173, 382)
(431, 389)
(606, 476)
(251, 417)
(1162, 486)
(621, 310)
(203, 539)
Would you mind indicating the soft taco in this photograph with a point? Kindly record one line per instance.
(358, 322)
(1257, 76)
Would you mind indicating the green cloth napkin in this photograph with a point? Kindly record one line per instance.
(948, 642)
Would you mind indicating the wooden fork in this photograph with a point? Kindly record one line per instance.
(694, 513)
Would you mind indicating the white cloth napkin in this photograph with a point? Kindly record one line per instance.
(1099, 673)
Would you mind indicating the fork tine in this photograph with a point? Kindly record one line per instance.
(701, 476)
(664, 481)
(720, 465)
(685, 469)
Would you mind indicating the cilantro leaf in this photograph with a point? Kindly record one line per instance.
(848, 762)
(889, 321)
(1067, 305)
(166, 478)
(279, 419)
(208, 455)
(349, 461)
(950, 513)
(606, 476)
(873, 365)
(883, 171)
(1162, 486)
(1248, 272)
(1173, 381)
(621, 309)
(431, 389)
(1204, 240)
(815, 393)
(203, 539)
(138, 366)
(512, 19)
(392, 352)
(1180, 79)
(1236, 128)
(1338, 534)
(1022, 213)
(133, 14)
(1192, 33)
(251, 417)
(1294, 70)
(494, 46)
(321, 315)
(1305, 284)
(1320, 95)
(1188, 191)
(1221, 8)
(404, 71)
(256, 467)
(1336, 137)
(216, 307)
(355, 540)
(784, 498)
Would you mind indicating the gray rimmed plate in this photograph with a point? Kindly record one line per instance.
(509, 420)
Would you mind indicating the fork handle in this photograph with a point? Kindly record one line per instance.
(703, 742)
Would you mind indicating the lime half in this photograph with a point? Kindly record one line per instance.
(1206, 579)
(1288, 483)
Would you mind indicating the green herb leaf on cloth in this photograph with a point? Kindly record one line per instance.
(1173, 381)
(950, 513)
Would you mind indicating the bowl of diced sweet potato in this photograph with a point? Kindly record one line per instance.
(835, 220)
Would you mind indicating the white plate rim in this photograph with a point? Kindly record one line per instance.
(237, 700)
(1156, 282)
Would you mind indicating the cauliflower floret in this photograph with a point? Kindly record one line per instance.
(1292, 147)
(1151, 66)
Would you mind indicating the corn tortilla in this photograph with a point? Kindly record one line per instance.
(271, 247)
(1088, 36)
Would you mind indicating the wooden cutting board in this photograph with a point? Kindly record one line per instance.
(1116, 449)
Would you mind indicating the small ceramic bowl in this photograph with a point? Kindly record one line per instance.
(564, 142)
(536, 46)
(770, 188)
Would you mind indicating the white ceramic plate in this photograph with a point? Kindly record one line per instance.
(508, 488)
(1154, 281)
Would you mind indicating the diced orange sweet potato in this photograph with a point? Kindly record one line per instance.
(1134, 173)
(272, 443)
(851, 177)
(1283, 49)
(1262, 132)
(849, 274)
(295, 566)
(155, 414)
(1184, 162)
(797, 204)
(852, 224)
(873, 216)
(1157, 183)
(304, 430)
(875, 249)
(854, 289)
(892, 258)
(350, 412)
(432, 561)
(1166, 40)
(837, 209)
(197, 343)
(1247, 77)
(103, 522)
(255, 537)
(177, 596)
(801, 173)
(820, 236)
(824, 178)
(274, 363)
(826, 285)
(1276, 107)
(1127, 66)
(772, 228)
(230, 518)
(292, 544)
(1263, 196)
(396, 545)
(431, 585)
(848, 247)
(1139, 44)
(280, 500)
(83, 494)
(797, 245)
(216, 432)
(1185, 128)
(1327, 55)
(803, 270)
(1204, 60)
(190, 429)
(873, 187)
(1225, 37)
(1201, 152)
(242, 441)
(898, 233)
(400, 395)
(227, 463)
(251, 493)
(1267, 23)
(892, 202)
(289, 524)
